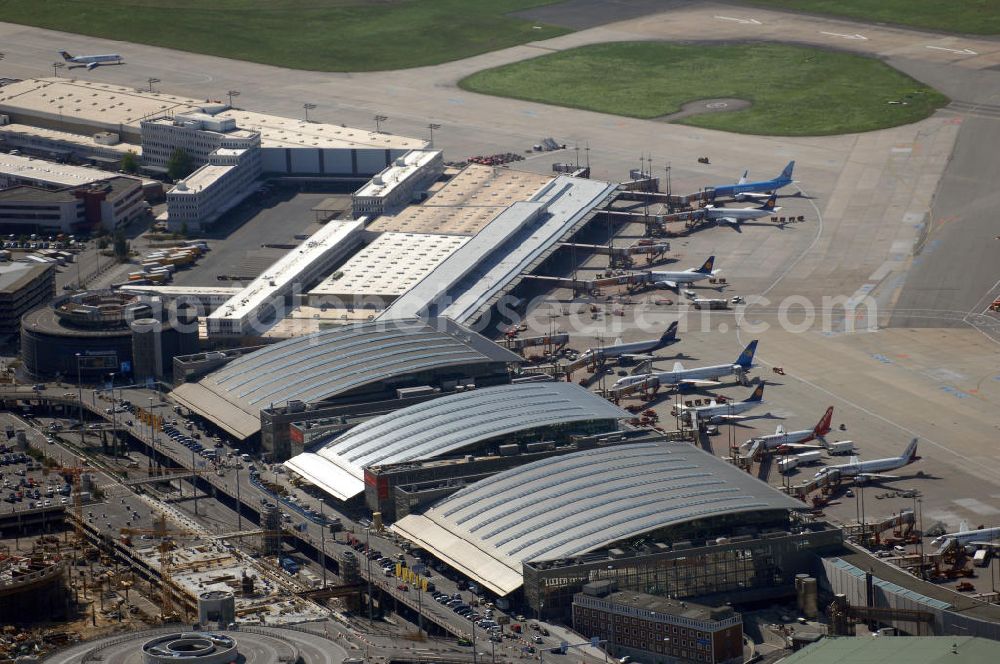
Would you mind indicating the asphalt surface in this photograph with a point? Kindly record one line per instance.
(875, 203)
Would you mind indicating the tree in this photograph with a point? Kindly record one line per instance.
(130, 164)
(179, 166)
(121, 246)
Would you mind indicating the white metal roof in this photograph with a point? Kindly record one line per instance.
(446, 425)
(39, 170)
(332, 362)
(390, 265)
(288, 268)
(505, 247)
(569, 505)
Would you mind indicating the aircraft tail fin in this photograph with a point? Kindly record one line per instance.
(743, 180)
(745, 360)
(706, 267)
(757, 395)
(670, 334)
(65, 55)
(770, 202)
(823, 427)
(910, 455)
(786, 174)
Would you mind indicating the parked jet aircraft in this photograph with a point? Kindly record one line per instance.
(983, 537)
(863, 471)
(744, 190)
(667, 279)
(699, 377)
(92, 61)
(792, 440)
(736, 216)
(716, 412)
(631, 350)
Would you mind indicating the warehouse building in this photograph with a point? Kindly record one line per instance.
(463, 204)
(664, 518)
(102, 205)
(248, 313)
(18, 170)
(102, 148)
(477, 420)
(656, 629)
(23, 288)
(289, 147)
(346, 365)
(398, 184)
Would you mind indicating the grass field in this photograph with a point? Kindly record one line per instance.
(979, 17)
(795, 91)
(322, 35)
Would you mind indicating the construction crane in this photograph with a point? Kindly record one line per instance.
(166, 540)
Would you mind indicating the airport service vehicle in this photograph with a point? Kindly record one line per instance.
(710, 303)
(700, 377)
(840, 447)
(863, 471)
(93, 61)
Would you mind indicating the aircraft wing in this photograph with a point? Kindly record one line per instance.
(637, 357)
(730, 418)
(798, 446)
(667, 284)
(985, 544)
(729, 220)
(877, 476)
(92, 65)
(694, 382)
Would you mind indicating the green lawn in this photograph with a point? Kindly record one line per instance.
(795, 91)
(979, 17)
(322, 35)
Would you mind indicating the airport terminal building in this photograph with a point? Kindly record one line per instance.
(662, 518)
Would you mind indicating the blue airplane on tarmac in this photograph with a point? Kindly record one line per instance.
(744, 190)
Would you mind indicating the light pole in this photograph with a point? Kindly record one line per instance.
(152, 80)
(308, 107)
(322, 541)
(114, 418)
(232, 93)
(56, 66)
(239, 505)
(79, 388)
(379, 119)
(432, 126)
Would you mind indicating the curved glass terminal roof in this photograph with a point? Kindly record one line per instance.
(332, 362)
(569, 505)
(445, 425)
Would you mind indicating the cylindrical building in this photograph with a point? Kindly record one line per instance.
(190, 648)
(217, 606)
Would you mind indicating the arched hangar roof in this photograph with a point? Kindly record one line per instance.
(570, 505)
(444, 425)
